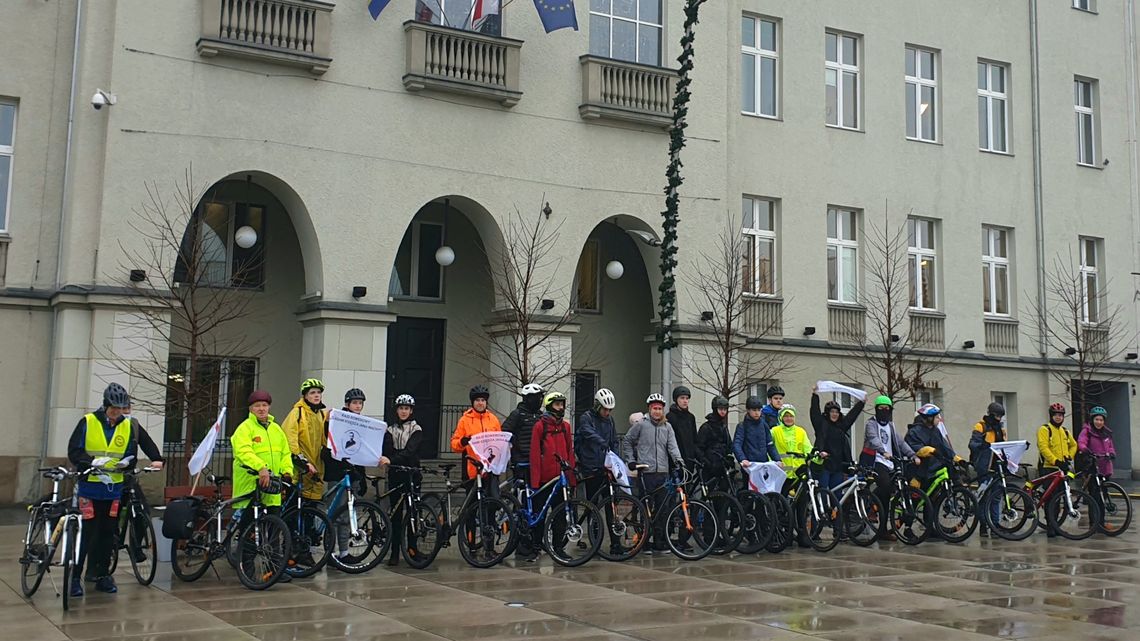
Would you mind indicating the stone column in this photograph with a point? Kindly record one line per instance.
(347, 346)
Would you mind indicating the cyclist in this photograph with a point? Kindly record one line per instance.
(752, 440)
(833, 435)
(989, 430)
(521, 422)
(651, 442)
(1055, 445)
(402, 445)
(713, 443)
(305, 429)
(259, 444)
(881, 446)
(791, 442)
(1096, 439)
(684, 423)
(100, 439)
(770, 413)
(550, 440)
(931, 448)
(335, 471)
(594, 438)
(475, 421)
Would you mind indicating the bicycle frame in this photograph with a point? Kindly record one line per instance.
(1054, 480)
(534, 518)
(854, 484)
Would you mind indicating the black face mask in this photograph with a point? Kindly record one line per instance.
(533, 402)
(883, 415)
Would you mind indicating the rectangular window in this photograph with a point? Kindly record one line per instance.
(1085, 5)
(416, 273)
(842, 256)
(845, 400)
(760, 389)
(993, 107)
(921, 94)
(213, 258)
(1085, 93)
(760, 64)
(1091, 259)
(841, 78)
(585, 386)
(228, 383)
(586, 279)
(457, 14)
(995, 270)
(627, 30)
(921, 258)
(7, 149)
(758, 226)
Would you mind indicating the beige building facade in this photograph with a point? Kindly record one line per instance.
(353, 150)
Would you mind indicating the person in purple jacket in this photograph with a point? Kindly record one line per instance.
(1096, 439)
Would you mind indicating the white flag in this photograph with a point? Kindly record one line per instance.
(766, 477)
(619, 469)
(205, 450)
(356, 438)
(1012, 451)
(493, 450)
(831, 386)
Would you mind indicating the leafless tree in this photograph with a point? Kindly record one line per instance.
(1082, 333)
(889, 350)
(726, 361)
(180, 309)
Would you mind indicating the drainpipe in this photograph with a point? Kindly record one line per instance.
(46, 433)
(1133, 156)
(1038, 207)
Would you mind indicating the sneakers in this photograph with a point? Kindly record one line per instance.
(105, 584)
(394, 560)
(76, 587)
(305, 559)
(137, 555)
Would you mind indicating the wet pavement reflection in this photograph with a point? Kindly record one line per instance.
(1040, 589)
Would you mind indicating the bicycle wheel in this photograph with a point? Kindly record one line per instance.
(369, 543)
(70, 541)
(822, 524)
(190, 558)
(422, 539)
(1009, 512)
(691, 530)
(573, 532)
(955, 514)
(784, 531)
(142, 547)
(910, 516)
(863, 515)
(1116, 509)
(439, 506)
(310, 531)
(730, 521)
(1075, 521)
(521, 526)
(264, 554)
(759, 522)
(486, 531)
(34, 561)
(626, 524)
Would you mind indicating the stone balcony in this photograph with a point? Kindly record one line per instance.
(626, 91)
(294, 33)
(462, 62)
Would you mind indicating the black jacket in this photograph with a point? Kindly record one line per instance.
(919, 436)
(593, 438)
(520, 423)
(685, 429)
(834, 437)
(713, 443)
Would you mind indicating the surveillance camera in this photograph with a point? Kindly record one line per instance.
(102, 98)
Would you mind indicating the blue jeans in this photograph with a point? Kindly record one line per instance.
(831, 479)
(999, 503)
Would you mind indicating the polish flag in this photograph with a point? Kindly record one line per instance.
(481, 9)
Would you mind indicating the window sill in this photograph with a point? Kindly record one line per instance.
(922, 311)
(1091, 12)
(1000, 318)
(925, 142)
(5, 237)
(761, 116)
(992, 152)
(1094, 166)
(835, 304)
(414, 299)
(855, 130)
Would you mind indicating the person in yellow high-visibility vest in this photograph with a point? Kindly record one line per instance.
(101, 439)
(791, 441)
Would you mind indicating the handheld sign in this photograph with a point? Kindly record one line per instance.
(766, 477)
(493, 450)
(356, 438)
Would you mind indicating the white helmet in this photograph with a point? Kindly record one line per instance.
(655, 398)
(405, 399)
(605, 398)
(531, 388)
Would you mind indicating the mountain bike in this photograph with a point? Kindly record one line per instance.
(863, 511)
(421, 526)
(954, 507)
(818, 513)
(1114, 504)
(909, 513)
(1069, 511)
(361, 529)
(626, 520)
(135, 533)
(688, 526)
(54, 524)
(572, 529)
(310, 530)
(767, 517)
(1008, 510)
(729, 511)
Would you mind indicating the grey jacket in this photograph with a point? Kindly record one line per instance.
(871, 440)
(653, 445)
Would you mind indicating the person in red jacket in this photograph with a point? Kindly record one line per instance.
(550, 440)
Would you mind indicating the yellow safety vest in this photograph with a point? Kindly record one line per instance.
(97, 445)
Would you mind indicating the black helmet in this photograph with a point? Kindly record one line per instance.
(680, 391)
(116, 396)
(754, 403)
(479, 391)
(774, 390)
(831, 405)
(354, 394)
(719, 402)
(996, 410)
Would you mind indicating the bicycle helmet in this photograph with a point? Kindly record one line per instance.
(775, 390)
(1098, 411)
(831, 405)
(654, 398)
(605, 398)
(754, 403)
(354, 394)
(312, 383)
(405, 399)
(884, 400)
(996, 410)
(719, 403)
(1057, 408)
(930, 409)
(116, 396)
(531, 388)
(680, 391)
(479, 391)
(552, 397)
(259, 396)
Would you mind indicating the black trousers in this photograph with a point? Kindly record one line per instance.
(661, 501)
(98, 539)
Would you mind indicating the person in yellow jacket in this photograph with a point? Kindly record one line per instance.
(1054, 443)
(305, 429)
(791, 441)
(259, 444)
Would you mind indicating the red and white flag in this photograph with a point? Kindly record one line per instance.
(481, 10)
(205, 450)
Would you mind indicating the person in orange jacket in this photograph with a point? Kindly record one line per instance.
(474, 421)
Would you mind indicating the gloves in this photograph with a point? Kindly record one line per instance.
(361, 488)
(103, 461)
(958, 459)
(464, 441)
(1063, 466)
(1112, 457)
(925, 452)
(632, 465)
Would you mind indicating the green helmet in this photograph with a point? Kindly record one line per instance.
(884, 400)
(1098, 411)
(312, 383)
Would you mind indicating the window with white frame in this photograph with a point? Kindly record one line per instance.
(842, 256)
(7, 150)
(922, 260)
(627, 30)
(758, 226)
(211, 254)
(1091, 259)
(458, 14)
(759, 66)
(921, 94)
(841, 77)
(993, 107)
(760, 389)
(1085, 107)
(1085, 5)
(995, 270)
(846, 401)
(416, 274)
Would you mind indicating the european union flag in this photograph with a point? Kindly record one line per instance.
(556, 14)
(376, 6)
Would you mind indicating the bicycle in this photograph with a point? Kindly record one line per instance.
(135, 533)
(571, 530)
(818, 514)
(685, 519)
(309, 529)
(264, 542)
(908, 510)
(1114, 504)
(1014, 507)
(731, 520)
(626, 520)
(1065, 506)
(767, 516)
(53, 524)
(485, 527)
(863, 511)
(954, 507)
(362, 526)
(422, 525)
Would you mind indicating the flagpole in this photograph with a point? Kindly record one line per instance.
(194, 485)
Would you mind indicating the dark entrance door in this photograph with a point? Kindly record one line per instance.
(415, 366)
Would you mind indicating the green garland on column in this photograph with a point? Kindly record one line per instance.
(667, 304)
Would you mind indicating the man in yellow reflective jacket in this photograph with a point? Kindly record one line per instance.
(259, 444)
